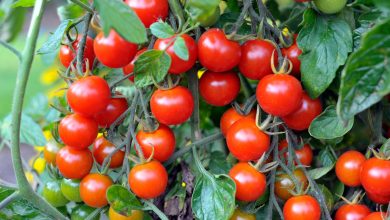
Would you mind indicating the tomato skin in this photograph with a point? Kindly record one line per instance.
(173, 106)
(93, 189)
(86, 92)
(52, 194)
(241, 215)
(279, 89)
(213, 47)
(305, 154)
(231, 116)
(113, 51)
(246, 141)
(162, 140)
(71, 189)
(256, 58)
(352, 212)
(292, 54)
(129, 68)
(135, 215)
(148, 180)
(75, 126)
(178, 65)
(284, 183)
(375, 216)
(348, 167)
(303, 207)
(74, 164)
(102, 148)
(50, 152)
(219, 89)
(115, 108)
(67, 55)
(82, 212)
(149, 11)
(250, 183)
(378, 198)
(330, 6)
(375, 173)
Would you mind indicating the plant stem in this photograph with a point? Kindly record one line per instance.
(81, 4)
(12, 49)
(81, 47)
(156, 210)
(9, 199)
(177, 10)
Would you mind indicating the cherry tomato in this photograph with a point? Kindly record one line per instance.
(179, 65)
(284, 184)
(93, 189)
(292, 53)
(205, 13)
(77, 131)
(149, 11)
(115, 108)
(52, 193)
(378, 198)
(301, 118)
(256, 58)
(214, 47)
(74, 164)
(173, 106)
(246, 141)
(50, 152)
(231, 116)
(241, 215)
(376, 216)
(82, 212)
(330, 6)
(135, 215)
(374, 175)
(113, 51)
(129, 68)
(162, 140)
(348, 168)
(303, 207)
(67, 55)
(71, 189)
(148, 180)
(102, 148)
(352, 212)
(305, 154)
(279, 94)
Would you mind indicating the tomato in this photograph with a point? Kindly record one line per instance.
(214, 47)
(78, 131)
(375, 216)
(74, 164)
(149, 11)
(241, 215)
(246, 141)
(250, 183)
(284, 184)
(148, 180)
(129, 68)
(102, 148)
(279, 94)
(254, 53)
(50, 152)
(231, 116)
(67, 55)
(374, 175)
(348, 167)
(300, 1)
(352, 212)
(173, 106)
(113, 51)
(135, 215)
(305, 154)
(292, 53)
(219, 89)
(301, 118)
(93, 189)
(378, 198)
(303, 207)
(82, 212)
(115, 108)
(162, 140)
(205, 13)
(71, 189)
(52, 194)
(330, 6)
(179, 65)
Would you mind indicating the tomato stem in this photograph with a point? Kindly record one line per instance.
(83, 41)
(12, 49)
(9, 199)
(177, 11)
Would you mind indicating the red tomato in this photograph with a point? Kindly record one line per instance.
(292, 54)
(216, 52)
(348, 167)
(178, 65)
(102, 148)
(305, 154)
(231, 116)
(376, 216)
(250, 183)
(74, 164)
(115, 108)
(173, 106)
(67, 55)
(113, 51)
(246, 141)
(149, 11)
(374, 175)
(148, 180)
(303, 207)
(93, 189)
(129, 68)
(219, 89)
(162, 140)
(77, 131)
(378, 198)
(352, 212)
(279, 94)
(256, 58)
(284, 184)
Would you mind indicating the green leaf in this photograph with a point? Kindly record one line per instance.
(325, 42)
(12, 22)
(366, 76)
(122, 200)
(162, 30)
(385, 148)
(218, 163)
(181, 49)
(117, 15)
(54, 41)
(326, 157)
(338, 190)
(382, 5)
(70, 11)
(329, 126)
(327, 195)
(23, 3)
(317, 173)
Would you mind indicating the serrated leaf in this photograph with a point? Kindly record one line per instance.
(54, 41)
(162, 30)
(338, 190)
(122, 200)
(326, 157)
(70, 11)
(24, 3)
(317, 173)
(181, 49)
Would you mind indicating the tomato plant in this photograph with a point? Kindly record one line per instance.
(149, 11)
(302, 207)
(348, 168)
(115, 108)
(93, 189)
(52, 193)
(230, 117)
(67, 55)
(71, 189)
(135, 215)
(352, 211)
(374, 173)
(284, 184)
(102, 148)
(74, 164)
(129, 68)
(304, 155)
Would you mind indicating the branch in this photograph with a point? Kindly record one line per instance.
(157, 211)
(12, 49)
(81, 4)
(9, 199)
(177, 11)
(81, 46)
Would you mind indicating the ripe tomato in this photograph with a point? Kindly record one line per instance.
(50, 152)
(246, 141)
(74, 164)
(303, 207)
(284, 184)
(82, 212)
(148, 180)
(113, 51)
(305, 154)
(86, 92)
(178, 65)
(115, 108)
(279, 94)
(352, 212)
(219, 89)
(256, 58)
(162, 140)
(348, 167)
(330, 6)
(378, 198)
(52, 194)
(376, 216)
(231, 116)
(375, 173)
(77, 131)
(173, 106)
(67, 55)
(214, 47)
(301, 118)
(71, 189)
(240, 215)
(149, 11)
(93, 189)
(102, 148)
(135, 215)
(292, 53)
(129, 68)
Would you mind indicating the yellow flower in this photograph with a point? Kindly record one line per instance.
(183, 184)
(48, 137)
(49, 76)
(200, 73)
(39, 165)
(58, 90)
(30, 177)
(286, 31)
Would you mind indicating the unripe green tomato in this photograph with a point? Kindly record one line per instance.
(81, 212)
(330, 6)
(52, 193)
(208, 20)
(70, 188)
(204, 13)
